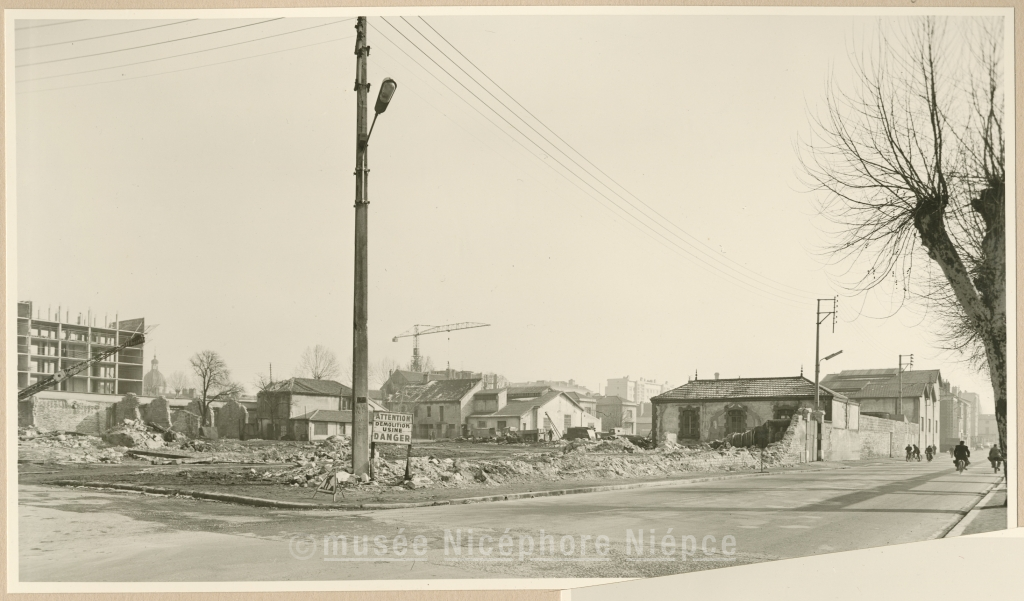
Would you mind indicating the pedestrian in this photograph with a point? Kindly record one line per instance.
(551, 435)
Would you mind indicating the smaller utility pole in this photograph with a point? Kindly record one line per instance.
(818, 320)
(899, 396)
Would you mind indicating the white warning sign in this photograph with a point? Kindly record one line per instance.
(392, 428)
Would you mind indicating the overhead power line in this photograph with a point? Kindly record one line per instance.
(48, 25)
(109, 35)
(710, 252)
(191, 37)
(184, 54)
(514, 139)
(754, 285)
(234, 60)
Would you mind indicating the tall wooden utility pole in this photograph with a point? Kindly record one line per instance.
(360, 342)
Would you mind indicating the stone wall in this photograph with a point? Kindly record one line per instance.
(158, 412)
(886, 437)
(231, 420)
(712, 416)
(877, 437)
(127, 408)
(186, 422)
(62, 414)
(840, 444)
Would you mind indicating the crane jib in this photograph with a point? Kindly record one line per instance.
(77, 368)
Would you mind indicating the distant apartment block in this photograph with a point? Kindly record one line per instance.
(54, 341)
(638, 390)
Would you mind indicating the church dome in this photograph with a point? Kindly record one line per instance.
(153, 383)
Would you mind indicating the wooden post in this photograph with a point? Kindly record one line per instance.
(408, 462)
(373, 458)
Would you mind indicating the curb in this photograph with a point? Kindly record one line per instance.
(961, 522)
(258, 502)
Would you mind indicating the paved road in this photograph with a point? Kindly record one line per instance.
(74, 535)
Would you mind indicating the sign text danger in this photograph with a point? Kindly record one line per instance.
(392, 428)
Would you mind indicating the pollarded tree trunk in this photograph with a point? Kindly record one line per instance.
(982, 295)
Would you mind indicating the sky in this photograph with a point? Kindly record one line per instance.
(200, 174)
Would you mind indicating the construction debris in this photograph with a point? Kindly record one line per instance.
(134, 433)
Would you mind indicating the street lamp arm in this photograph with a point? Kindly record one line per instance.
(366, 141)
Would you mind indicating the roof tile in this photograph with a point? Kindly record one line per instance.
(740, 388)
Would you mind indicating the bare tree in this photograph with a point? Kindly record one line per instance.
(426, 364)
(911, 160)
(381, 371)
(268, 404)
(178, 382)
(319, 363)
(213, 381)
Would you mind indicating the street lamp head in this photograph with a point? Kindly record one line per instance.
(832, 355)
(387, 90)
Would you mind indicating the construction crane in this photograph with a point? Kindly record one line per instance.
(416, 332)
(137, 339)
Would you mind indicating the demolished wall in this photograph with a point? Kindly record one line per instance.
(186, 422)
(158, 412)
(62, 414)
(127, 408)
(231, 419)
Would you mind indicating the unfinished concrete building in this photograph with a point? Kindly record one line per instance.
(50, 341)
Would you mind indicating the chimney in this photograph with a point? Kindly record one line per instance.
(716, 375)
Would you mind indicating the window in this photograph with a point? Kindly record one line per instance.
(689, 424)
(735, 421)
(785, 413)
(440, 413)
(319, 429)
(428, 410)
(481, 424)
(502, 425)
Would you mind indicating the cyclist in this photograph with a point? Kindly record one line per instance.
(995, 455)
(929, 452)
(910, 451)
(917, 453)
(961, 452)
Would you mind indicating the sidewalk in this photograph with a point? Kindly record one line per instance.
(990, 516)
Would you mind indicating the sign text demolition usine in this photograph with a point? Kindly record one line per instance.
(394, 428)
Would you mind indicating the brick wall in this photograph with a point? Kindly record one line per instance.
(63, 414)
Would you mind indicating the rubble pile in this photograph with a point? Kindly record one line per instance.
(614, 445)
(65, 447)
(134, 433)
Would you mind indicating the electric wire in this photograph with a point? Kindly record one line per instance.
(183, 54)
(109, 35)
(499, 128)
(48, 24)
(234, 60)
(191, 37)
(583, 180)
(766, 281)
